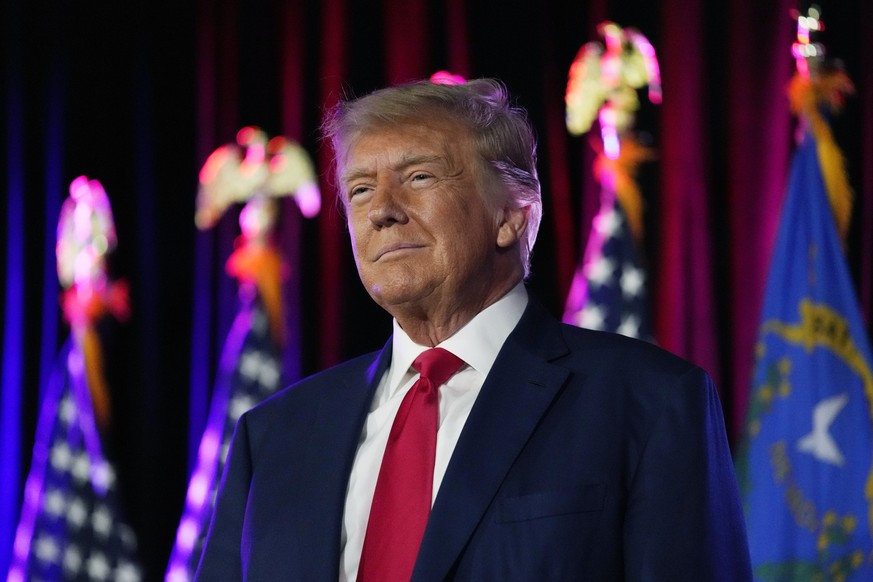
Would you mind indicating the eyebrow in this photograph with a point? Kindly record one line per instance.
(405, 162)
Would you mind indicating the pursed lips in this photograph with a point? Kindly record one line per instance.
(396, 247)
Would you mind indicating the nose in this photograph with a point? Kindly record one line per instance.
(386, 206)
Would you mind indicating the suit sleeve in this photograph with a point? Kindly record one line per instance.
(222, 555)
(684, 517)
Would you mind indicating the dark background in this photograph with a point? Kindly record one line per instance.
(136, 95)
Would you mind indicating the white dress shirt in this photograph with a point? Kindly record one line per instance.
(477, 343)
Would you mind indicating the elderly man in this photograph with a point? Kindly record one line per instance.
(486, 441)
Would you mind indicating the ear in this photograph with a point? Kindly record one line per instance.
(512, 227)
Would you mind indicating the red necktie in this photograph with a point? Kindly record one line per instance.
(404, 490)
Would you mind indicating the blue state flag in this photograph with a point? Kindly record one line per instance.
(806, 469)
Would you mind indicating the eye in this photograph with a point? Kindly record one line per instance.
(357, 190)
(421, 178)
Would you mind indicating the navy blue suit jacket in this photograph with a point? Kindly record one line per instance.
(587, 456)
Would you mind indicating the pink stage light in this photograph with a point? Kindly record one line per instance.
(447, 78)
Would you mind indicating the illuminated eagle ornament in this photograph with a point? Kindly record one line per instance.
(85, 235)
(604, 79)
(85, 238)
(255, 167)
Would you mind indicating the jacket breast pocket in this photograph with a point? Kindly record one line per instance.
(582, 499)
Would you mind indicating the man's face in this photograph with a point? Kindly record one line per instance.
(422, 235)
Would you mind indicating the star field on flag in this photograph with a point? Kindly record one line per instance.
(72, 527)
(609, 290)
(251, 371)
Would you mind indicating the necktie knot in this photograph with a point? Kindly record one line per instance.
(437, 365)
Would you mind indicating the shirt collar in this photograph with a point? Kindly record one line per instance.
(477, 343)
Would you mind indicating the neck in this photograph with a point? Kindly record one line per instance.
(430, 327)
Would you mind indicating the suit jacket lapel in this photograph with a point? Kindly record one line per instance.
(515, 395)
(329, 454)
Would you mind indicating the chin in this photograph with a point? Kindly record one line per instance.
(388, 294)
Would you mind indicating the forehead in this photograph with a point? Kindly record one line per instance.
(438, 139)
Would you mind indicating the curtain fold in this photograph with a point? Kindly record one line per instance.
(683, 308)
(759, 138)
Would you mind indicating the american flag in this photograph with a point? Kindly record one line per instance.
(71, 525)
(609, 288)
(250, 371)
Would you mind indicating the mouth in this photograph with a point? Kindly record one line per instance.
(395, 249)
